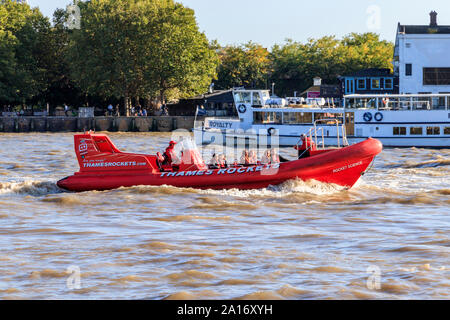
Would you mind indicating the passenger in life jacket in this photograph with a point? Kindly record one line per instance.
(170, 155)
(245, 159)
(223, 161)
(215, 162)
(266, 158)
(252, 157)
(307, 146)
(274, 157)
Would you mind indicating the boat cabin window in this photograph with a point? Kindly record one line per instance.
(297, 117)
(399, 131)
(242, 97)
(327, 115)
(447, 130)
(256, 99)
(357, 103)
(433, 131)
(266, 117)
(415, 131)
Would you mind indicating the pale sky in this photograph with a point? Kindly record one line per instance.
(272, 21)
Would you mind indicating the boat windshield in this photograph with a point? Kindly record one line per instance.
(242, 97)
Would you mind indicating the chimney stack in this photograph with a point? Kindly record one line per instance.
(433, 19)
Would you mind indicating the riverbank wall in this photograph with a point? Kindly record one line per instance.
(112, 124)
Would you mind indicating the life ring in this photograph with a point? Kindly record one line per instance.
(270, 131)
(378, 116)
(367, 116)
(242, 108)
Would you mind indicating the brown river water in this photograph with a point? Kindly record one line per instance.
(387, 238)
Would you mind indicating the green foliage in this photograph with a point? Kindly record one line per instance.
(296, 64)
(245, 65)
(140, 48)
(22, 49)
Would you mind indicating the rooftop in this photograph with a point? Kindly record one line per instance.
(432, 28)
(371, 72)
(403, 29)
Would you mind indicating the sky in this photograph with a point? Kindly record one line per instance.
(270, 22)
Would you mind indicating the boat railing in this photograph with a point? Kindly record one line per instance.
(315, 133)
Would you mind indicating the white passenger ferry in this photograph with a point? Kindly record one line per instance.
(413, 120)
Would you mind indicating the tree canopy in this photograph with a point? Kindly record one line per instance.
(22, 52)
(296, 64)
(140, 48)
(244, 65)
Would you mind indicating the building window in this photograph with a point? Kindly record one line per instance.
(376, 84)
(350, 88)
(399, 131)
(433, 131)
(447, 130)
(416, 131)
(408, 69)
(388, 83)
(436, 76)
(361, 84)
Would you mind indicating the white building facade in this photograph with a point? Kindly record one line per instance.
(422, 58)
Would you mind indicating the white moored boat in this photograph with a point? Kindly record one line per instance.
(414, 120)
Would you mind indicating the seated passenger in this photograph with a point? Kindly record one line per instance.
(215, 162)
(170, 155)
(265, 159)
(223, 161)
(245, 158)
(253, 159)
(274, 157)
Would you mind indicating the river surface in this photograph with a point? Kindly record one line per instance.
(387, 238)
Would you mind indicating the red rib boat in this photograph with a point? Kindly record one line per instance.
(103, 166)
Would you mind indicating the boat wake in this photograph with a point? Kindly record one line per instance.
(29, 187)
(439, 162)
(290, 187)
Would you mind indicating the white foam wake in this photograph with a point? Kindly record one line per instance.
(30, 187)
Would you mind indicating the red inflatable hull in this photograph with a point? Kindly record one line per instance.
(110, 169)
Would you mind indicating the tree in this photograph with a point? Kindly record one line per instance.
(244, 65)
(140, 48)
(367, 51)
(22, 75)
(296, 64)
(60, 88)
